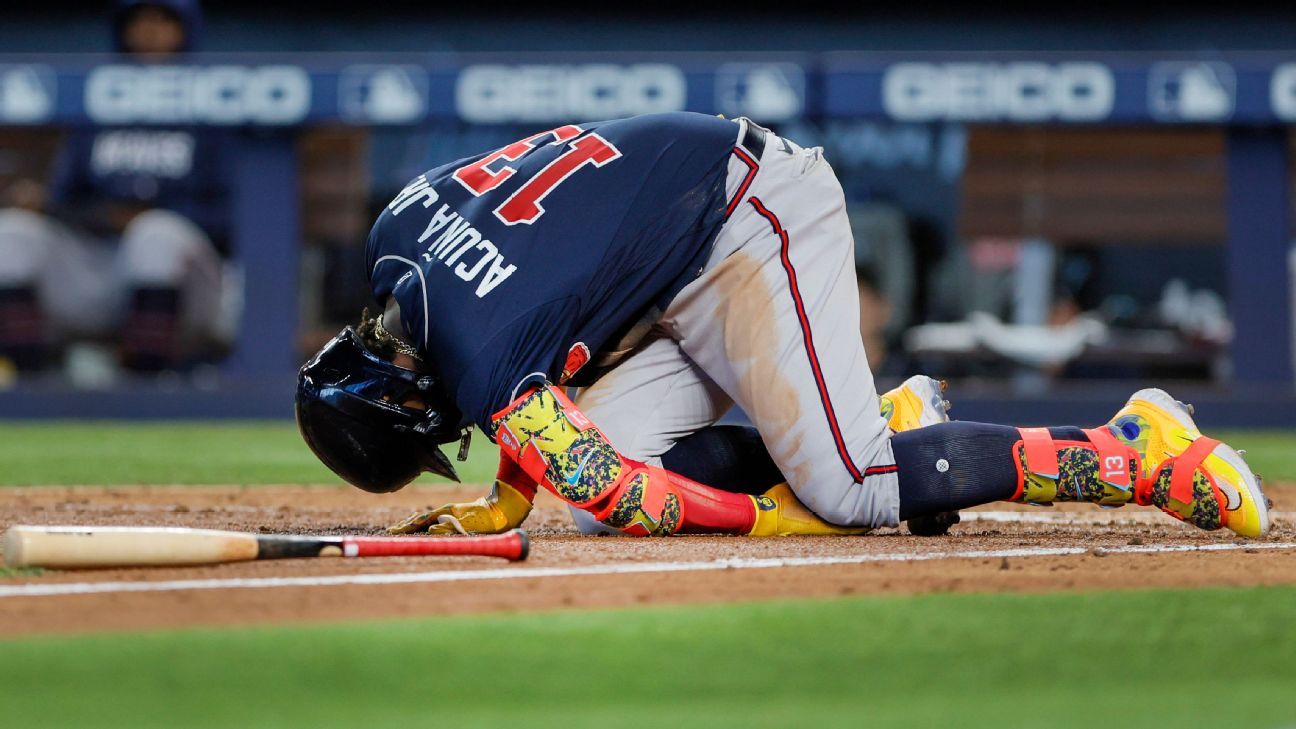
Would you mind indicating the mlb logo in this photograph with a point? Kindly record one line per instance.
(26, 94)
(1196, 91)
(766, 92)
(379, 94)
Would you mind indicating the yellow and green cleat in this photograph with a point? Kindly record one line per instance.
(918, 402)
(1219, 491)
(779, 513)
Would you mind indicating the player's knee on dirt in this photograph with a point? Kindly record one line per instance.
(586, 524)
(643, 504)
(558, 446)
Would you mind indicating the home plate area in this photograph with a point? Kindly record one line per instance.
(997, 548)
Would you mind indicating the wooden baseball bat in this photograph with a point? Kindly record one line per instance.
(76, 546)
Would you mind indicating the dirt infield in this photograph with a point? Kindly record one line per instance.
(999, 548)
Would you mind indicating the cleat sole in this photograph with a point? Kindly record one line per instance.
(1251, 485)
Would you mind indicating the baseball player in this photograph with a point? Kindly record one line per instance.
(670, 266)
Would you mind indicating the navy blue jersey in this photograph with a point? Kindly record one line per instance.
(505, 263)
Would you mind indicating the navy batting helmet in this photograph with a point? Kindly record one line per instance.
(350, 412)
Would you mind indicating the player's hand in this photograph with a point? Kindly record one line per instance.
(503, 510)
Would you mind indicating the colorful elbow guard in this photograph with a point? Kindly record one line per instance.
(554, 443)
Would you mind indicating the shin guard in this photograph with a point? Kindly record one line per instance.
(1101, 470)
(1108, 472)
(553, 442)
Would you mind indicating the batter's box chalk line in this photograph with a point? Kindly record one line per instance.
(1101, 517)
(511, 573)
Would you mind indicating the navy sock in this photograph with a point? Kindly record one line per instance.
(954, 465)
(1068, 433)
(979, 463)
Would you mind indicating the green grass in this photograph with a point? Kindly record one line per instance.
(1131, 659)
(1126, 659)
(119, 453)
(1270, 453)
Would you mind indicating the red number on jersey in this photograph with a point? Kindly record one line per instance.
(523, 206)
(479, 179)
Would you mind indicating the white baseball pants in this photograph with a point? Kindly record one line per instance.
(772, 324)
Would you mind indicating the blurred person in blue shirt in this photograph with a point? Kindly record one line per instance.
(128, 244)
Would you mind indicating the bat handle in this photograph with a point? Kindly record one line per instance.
(513, 545)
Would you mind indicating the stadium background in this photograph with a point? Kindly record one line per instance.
(1125, 162)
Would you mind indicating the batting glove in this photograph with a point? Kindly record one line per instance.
(504, 509)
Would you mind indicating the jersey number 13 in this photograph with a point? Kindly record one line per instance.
(523, 206)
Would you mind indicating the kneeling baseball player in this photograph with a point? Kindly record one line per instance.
(669, 266)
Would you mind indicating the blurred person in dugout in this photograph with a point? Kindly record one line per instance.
(875, 315)
(126, 245)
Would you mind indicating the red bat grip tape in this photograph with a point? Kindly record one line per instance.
(512, 545)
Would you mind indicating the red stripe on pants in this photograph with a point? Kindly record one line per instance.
(808, 338)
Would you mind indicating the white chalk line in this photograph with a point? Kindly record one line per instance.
(1100, 517)
(620, 568)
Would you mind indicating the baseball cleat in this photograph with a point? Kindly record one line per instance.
(918, 402)
(1219, 491)
(779, 513)
(933, 525)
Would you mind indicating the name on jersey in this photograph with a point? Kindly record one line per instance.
(453, 241)
(141, 151)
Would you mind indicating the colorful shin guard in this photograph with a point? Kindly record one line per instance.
(1098, 471)
(1108, 472)
(555, 444)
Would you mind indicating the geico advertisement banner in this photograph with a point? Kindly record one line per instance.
(546, 93)
(1025, 92)
(404, 93)
(198, 94)
(1241, 89)
(1077, 91)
